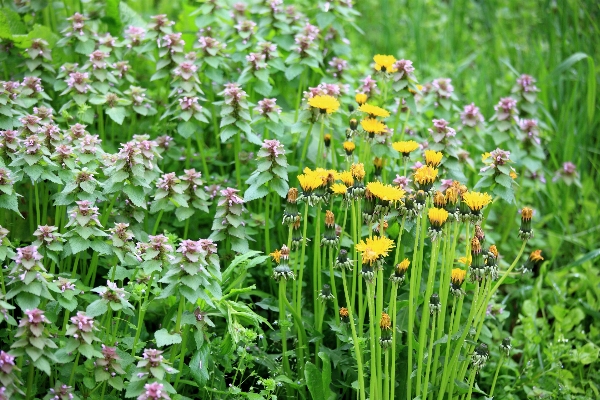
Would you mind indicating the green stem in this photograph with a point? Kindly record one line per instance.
(429, 351)
(38, 214)
(74, 369)
(238, 165)
(30, 379)
(101, 123)
(158, 218)
(305, 146)
(386, 383)
(355, 342)
(500, 362)
(370, 304)
(471, 382)
(299, 94)
(182, 354)
(411, 308)
(393, 315)
(74, 272)
(201, 145)
(141, 315)
(316, 270)
(301, 265)
(283, 326)
(333, 287)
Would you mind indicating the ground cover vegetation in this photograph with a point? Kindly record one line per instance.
(316, 200)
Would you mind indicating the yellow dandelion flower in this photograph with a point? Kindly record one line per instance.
(358, 171)
(526, 214)
(513, 174)
(536, 255)
(476, 200)
(374, 248)
(425, 175)
(457, 276)
(346, 177)
(384, 63)
(373, 126)
(437, 216)
(326, 104)
(361, 98)
(374, 111)
(310, 182)
(485, 156)
(344, 312)
(349, 148)
(338, 188)
(433, 158)
(452, 195)
(465, 261)
(405, 147)
(385, 192)
(386, 322)
(378, 162)
(402, 267)
(276, 255)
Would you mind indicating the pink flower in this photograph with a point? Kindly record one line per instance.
(471, 116)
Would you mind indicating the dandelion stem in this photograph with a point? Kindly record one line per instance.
(301, 265)
(355, 342)
(371, 306)
(471, 382)
(500, 362)
(393, 314)
(316, 271)
(411, 306)
(429, 351)
(333, 287)
(305, 146)
(283, 326)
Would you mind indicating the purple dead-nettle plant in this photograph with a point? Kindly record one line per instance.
(530, 132)
(229, 222)
(269, 50)
(404, 78)
(245, 28)
(154, 391)
(28, 278)
(151, 368)
(85, 230)
(368, 86)
(171, 52)
(506, 113)
(443, 92)
(78, 83)
(337, 67)
(159, 25)
(471, 116)
(154, 255)
(40, 54)
(6, 247)
(526, 91)
(32, 87)
(49, 242)
(169, 194)
(185, 79)
(60, 391)
(441, 132)
(81, 330)
(568, 174)
(108, 367)
(235, 116)
(140, 103)
(122, 70)
(52, 135)
(64, 156)
(135, 36)
(194, 192)
(271, 171)
(403, 182)
(9, 381)
(267, 117)
(210, 47)
(111, 296)
(194, 273)
(9, 144)
(122, 241)
(77, 28)
(81, 184)
(34, 340)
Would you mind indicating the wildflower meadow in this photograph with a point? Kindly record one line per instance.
(277, 199)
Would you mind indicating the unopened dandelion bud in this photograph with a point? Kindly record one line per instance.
(378, 163)
(434, 304)
(491, 262)
(353, 124)
(327, 140)
(480, 356)
(296, 234)
(399, 274)
(368, 210)
(477, 269)
(325, 294)
(421, 198)
(290, 211)
(330, 237)
(526, 232)
(479, 234)
(361, 98)
(342, 261)
(506, 346)
(368, 272)
(283, 272)
(344, 315)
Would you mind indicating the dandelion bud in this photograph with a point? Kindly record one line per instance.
(434, 304)
(368, 211)
(491, 262)
(533, 262)
(399, 274)
(525, 232)
(327, 140)
(330, 237)
(506, 346)
(326, 294)
(361, 98)
(291, 208)
(479, 234)
(477, 267)
(296, 234)
(385, 323)
(480, 356)
(342, 260)
(378, 163)
(344, 315)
